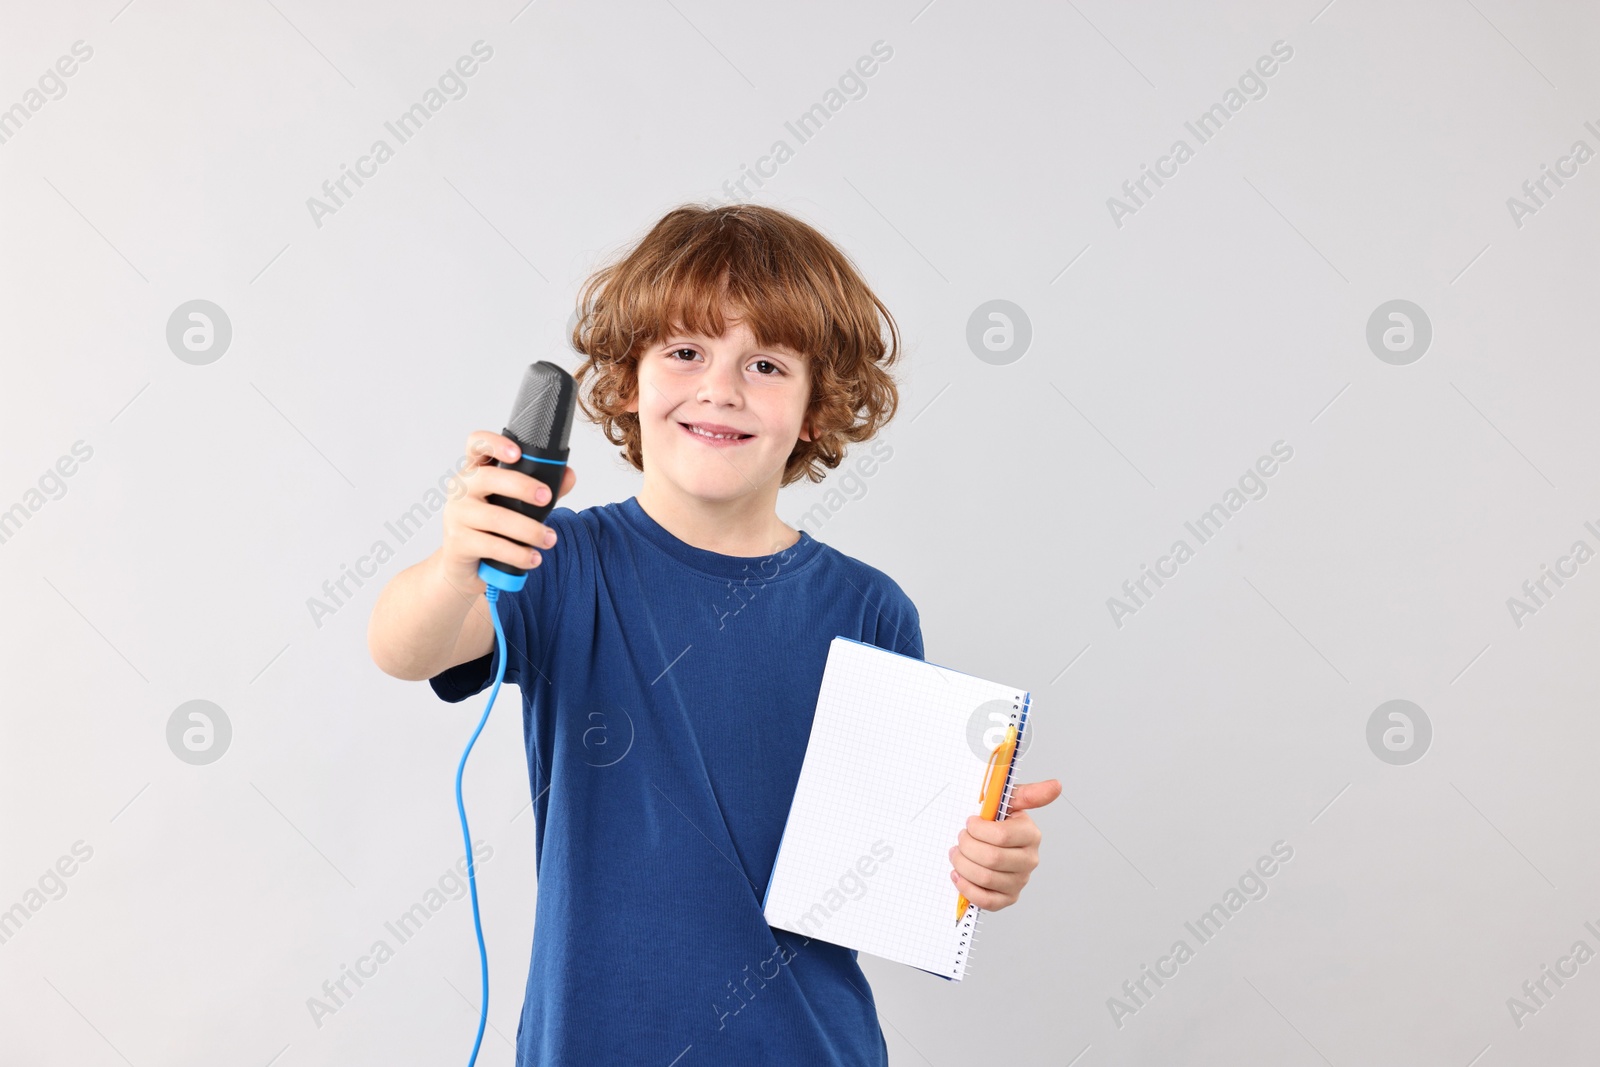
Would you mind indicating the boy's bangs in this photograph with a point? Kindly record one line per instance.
(704, 291)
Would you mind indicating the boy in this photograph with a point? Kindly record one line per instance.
(670, 650)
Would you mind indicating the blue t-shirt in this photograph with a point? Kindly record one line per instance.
(667, 698)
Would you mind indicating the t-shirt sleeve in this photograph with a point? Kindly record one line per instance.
(909, 639)
(465, 679)
(520, 613)
(899, 623)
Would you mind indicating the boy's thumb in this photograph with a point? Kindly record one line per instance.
(1034, 794)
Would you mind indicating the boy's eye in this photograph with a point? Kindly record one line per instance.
(775, 369)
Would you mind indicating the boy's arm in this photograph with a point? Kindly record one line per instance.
(422, 625)
(430, 616)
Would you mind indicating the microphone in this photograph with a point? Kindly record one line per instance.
(541, 425)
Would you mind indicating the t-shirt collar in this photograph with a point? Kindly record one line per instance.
(771, 567)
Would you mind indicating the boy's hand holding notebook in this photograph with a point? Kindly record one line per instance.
(902, 753)
(999, 856)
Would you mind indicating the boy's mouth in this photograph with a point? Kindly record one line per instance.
(714, 433)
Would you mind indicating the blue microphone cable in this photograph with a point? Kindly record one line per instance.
(541, 427)
(492, 594)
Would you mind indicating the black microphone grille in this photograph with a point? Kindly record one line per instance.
(542, 415)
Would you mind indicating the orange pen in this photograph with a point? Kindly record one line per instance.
(993, 785)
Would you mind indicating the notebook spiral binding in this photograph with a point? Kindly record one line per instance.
(969, 925)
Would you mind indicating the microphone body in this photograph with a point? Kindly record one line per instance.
(541, 425)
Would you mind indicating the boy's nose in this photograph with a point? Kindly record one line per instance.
(720, 385)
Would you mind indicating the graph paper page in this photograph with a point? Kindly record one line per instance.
(896, 759)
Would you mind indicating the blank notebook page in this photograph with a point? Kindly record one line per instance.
(896, 759)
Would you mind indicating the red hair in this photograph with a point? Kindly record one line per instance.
(784, 280)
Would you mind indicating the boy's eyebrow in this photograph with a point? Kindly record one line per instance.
(690, 335)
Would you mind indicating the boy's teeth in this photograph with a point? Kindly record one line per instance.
(719, 436)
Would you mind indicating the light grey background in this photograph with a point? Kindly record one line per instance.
(1168, 353)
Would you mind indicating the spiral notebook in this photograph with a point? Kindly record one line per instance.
(898, 754)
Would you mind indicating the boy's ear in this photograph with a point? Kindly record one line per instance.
(633, 401)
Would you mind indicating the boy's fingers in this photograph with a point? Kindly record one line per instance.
(491, 518)
(1014, 831)
(479, 544)
(993, 856)
(1034, 794)
(986, 899)
(974, 873)
(993, 879)
(485, 445)
(504, 482)
(977, 853)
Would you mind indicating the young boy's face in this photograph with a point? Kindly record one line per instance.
(722, 384)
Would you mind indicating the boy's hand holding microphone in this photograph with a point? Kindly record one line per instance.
(495, 530)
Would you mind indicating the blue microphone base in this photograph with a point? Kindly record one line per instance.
(508, 583)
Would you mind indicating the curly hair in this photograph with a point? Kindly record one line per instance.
(778, 275)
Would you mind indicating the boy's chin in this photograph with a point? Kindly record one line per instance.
(716, 487)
